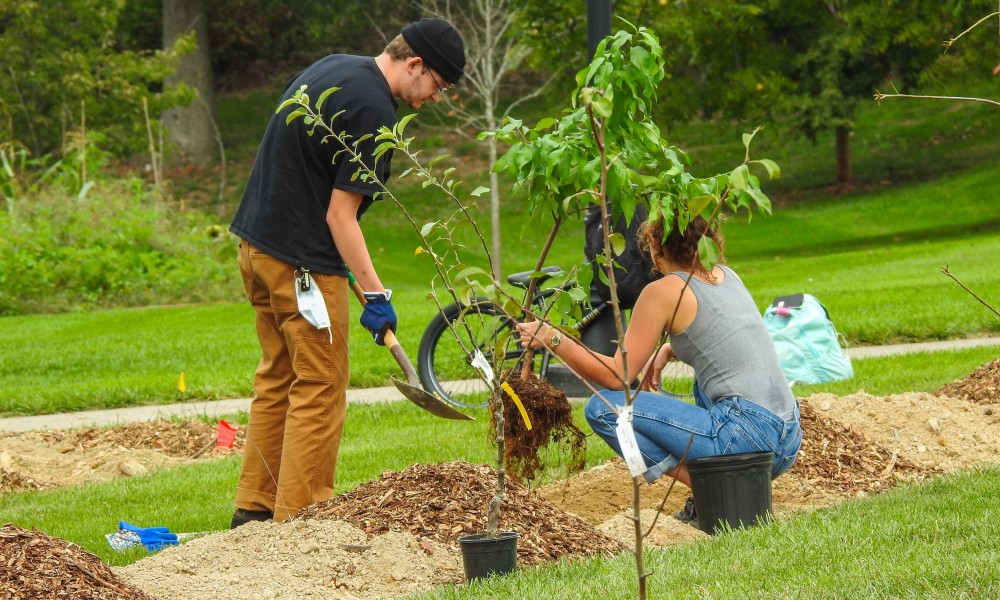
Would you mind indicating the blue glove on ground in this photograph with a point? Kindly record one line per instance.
(378, 316)
(153, 538)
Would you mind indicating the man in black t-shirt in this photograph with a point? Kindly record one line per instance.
(298, 225)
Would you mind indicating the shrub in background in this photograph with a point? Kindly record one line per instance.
(117, 245)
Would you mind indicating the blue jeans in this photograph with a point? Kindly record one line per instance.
(664, 426)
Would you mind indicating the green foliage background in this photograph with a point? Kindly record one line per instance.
(62, 72)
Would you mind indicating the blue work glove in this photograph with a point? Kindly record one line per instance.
(153, 538)
(378, 316)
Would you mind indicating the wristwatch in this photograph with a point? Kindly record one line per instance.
(555, 340)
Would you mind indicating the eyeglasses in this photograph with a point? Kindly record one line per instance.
(440, 88)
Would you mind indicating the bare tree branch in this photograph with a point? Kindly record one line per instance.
(945, 270)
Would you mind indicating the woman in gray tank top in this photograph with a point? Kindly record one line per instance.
(742, 400)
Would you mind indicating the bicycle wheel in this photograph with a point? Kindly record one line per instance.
(444, 361)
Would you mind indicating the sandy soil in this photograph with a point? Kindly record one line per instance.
(906, 436)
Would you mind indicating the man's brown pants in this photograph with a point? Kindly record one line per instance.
(300, 401)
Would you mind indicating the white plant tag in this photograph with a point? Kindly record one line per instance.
(629, 446)
(479, 361)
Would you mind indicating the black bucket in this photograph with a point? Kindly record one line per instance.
(733, 488)
(483, 556)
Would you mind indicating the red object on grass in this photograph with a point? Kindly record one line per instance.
(227, 433)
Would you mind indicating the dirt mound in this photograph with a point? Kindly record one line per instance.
(982, 385)
(838, 458)
(179, 440)
(39, 567)
(43, 459)
(445, 501)
(937, 433)
(326, 559)
(835, 461)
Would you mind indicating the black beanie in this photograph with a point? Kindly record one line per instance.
(439, 45)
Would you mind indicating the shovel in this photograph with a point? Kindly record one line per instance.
(411, 387)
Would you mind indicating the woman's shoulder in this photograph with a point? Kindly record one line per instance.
(668, 290)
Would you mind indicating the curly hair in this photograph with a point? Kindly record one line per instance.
(681, 246)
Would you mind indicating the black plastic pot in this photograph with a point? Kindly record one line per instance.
(483, 556)
(734, 489)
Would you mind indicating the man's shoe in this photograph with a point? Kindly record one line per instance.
(688, 514)
(242, 517)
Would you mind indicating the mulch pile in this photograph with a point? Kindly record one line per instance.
(36, 566)
(11, 480)
(837, 458)
(179, 440)
(982, 386)
(446, 501)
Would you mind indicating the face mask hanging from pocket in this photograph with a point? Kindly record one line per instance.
(312, 307)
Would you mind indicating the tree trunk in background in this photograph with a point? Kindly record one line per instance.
(843, 154)
(191, 128)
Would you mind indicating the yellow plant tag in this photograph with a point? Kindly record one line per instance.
(517, 401)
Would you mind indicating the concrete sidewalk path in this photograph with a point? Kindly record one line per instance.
(216, 408)
(209, 408)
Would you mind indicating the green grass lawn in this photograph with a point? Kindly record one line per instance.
(872, 258)
(936, 540)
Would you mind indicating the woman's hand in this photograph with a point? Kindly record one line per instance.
(654, 368)
(535, 334)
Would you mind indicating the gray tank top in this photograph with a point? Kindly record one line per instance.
(730, 349)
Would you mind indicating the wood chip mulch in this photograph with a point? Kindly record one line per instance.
(35, 566)
(981, 386)
(173, 439)
(11, 480)
(837, 458)
(446, 501)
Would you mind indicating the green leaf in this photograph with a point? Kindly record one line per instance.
(428, 227)
(698, 204)
(322, 97)
(763, 202)
(479, 191)
(603, 106)
(708, 252)
(739, 178)
(773, 171)
(295, 114)
(401, 125)
(285, 105)
(437, 159)
(545, 123)
(617, 243)
(469, 272)
(511, 307)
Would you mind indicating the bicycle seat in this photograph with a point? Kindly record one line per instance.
(523, 278)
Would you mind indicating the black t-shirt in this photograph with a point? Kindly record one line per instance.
(284, 206)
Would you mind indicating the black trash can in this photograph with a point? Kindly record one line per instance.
(483, 556)
(733, 488)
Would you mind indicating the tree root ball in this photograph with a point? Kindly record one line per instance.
(551, 419)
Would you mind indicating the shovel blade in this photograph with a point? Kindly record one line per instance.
(429, 402)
